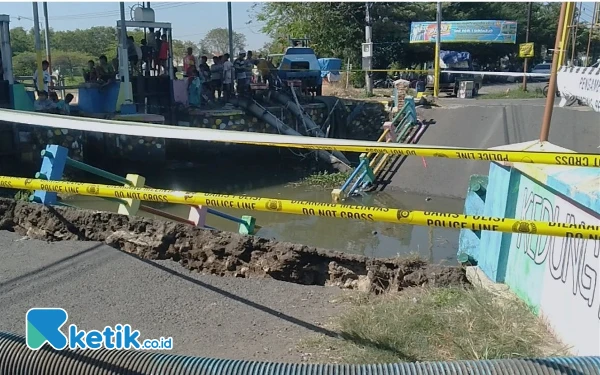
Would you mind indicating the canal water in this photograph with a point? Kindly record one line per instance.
(373, 239)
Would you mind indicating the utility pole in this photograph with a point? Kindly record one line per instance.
(230, 28)
(594, 21)
(559, 44)
(368, 36)
(47, 40)
(526, 41)
(574, 35)
(438, 42)
(124, 62)
(38, 47)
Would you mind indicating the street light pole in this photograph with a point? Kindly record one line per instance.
(38, 47)
(124, 62)
(438, 42)
(47, 40)
(368, 36)
(230, 32)
(526, 41)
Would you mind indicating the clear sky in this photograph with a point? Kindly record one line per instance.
(190, 20)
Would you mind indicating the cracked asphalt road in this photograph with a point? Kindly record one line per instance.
(211, 316)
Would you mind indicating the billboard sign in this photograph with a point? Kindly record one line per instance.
(486, 31)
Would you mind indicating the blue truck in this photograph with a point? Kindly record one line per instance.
(300, 63)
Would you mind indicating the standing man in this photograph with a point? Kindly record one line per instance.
(189, 60)
(249, 65)
(240, 72)
(227, 77)
(45, 74)
(147, 55)
(204, 70)
(216, 76)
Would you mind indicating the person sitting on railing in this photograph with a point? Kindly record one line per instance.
(105, 72)
(43, 104)
(89, 74)
(63, 105)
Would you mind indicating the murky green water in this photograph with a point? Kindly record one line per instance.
(351, 236)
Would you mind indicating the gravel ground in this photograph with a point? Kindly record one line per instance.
(255, 319)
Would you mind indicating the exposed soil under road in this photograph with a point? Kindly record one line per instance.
(223, 253)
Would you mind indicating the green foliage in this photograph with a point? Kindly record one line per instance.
(71, 49)
(337, 29)
(216, 41)
(24, 64)
(23, 195)
(324, 180)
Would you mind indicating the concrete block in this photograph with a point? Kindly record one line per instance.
(133, 205)
(337, 195)
(249, 227)
(197, 215)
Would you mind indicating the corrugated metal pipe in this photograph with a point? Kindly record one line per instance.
(17, 359)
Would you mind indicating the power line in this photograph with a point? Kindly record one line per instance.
(106, 14)
(204, 33)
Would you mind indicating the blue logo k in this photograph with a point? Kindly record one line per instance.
(43, 325)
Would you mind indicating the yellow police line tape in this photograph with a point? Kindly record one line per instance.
(342, 211)
(533, 157)
(133, 128)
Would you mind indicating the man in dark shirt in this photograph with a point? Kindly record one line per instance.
(147, 55)
(204, 70)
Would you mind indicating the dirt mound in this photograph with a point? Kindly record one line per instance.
(223, 253)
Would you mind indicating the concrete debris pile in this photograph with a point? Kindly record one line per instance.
(223, 253)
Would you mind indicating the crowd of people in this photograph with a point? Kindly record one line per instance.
(217, 82)
(223, 78)
(150, 57)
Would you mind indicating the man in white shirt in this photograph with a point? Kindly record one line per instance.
(239, 65)
(45, 75)
(227, 77)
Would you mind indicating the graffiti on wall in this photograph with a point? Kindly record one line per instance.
(573, 261)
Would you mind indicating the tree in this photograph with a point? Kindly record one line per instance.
(72, 49)
(24, 64)
(337, 29)
(180, 50)
(21, 41)
(216, 41)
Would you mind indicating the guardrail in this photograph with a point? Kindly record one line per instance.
(312, 143)
(331, 210)
(401, 129)
(55, 159)
(59, 79)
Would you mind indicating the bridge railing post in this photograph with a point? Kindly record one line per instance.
(54, 159)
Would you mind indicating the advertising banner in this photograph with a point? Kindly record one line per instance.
(579, 83)
(486, 31)
(526, 50)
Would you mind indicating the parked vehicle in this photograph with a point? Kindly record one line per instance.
(450, 82)
(544, 68)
